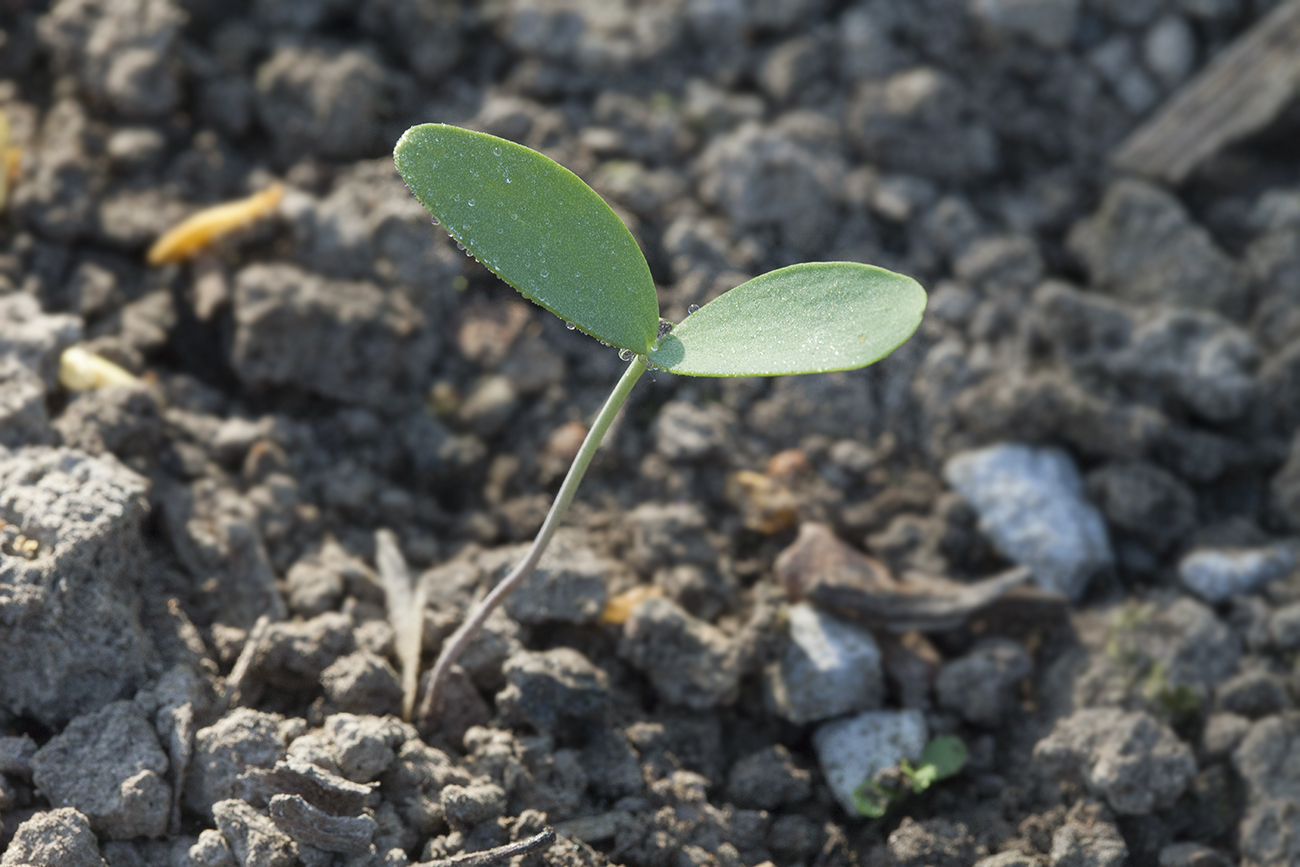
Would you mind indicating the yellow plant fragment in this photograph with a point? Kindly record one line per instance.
(197, 232)
(618, 609)
(6, 175)
(80, 370)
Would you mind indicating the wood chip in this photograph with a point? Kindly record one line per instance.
(1241, 92)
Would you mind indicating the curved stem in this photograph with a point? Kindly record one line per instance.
(456, 644)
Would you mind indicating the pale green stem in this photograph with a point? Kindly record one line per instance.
(455, 645)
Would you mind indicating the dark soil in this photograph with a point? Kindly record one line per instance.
(197, 662)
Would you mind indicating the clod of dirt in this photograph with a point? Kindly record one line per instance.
(1129, 758)
(60, 836)
(73, 636)
(110, 767)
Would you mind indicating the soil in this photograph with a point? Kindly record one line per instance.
(769, 591)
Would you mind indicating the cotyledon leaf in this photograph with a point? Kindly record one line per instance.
(809, 318)
(537, 226)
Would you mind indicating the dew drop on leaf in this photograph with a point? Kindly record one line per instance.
(496, 151)
(570, 326)
(545, 273)
(692, 309)
(625, 354)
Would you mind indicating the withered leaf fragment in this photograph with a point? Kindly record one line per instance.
(833, 575)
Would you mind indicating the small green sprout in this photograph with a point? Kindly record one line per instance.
(942, 758)
(538, 227)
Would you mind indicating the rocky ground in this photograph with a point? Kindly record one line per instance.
(1106, 390)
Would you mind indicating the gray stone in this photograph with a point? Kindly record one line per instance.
(240, 740)
(1127, 757)
(362, 682)
(69, 632)
(1031, 505)
(1142, 246)
(346, 341)
(918, 122)
(556, 691)
(1049, 23)
(766, 180)
(253, 838)
(321, 102)
(768, 779)
(688, 661)
(109, 766)
(123, 54)
(1216, 574)
(54, 838)
(830, 667)
(984, 684)
(855, 749)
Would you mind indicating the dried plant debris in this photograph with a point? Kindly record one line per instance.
(405, 600)
(833, 575)
(200, 231)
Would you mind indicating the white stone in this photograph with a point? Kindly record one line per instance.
(1215, 574)
(829, 668)
(1031, 506)
(1169, 50)
(855, 749)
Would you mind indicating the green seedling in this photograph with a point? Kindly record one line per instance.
(538, 227)
(942, 758)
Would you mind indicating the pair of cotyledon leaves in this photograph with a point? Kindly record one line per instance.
(537, 226)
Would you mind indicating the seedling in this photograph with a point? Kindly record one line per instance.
(538, 227)
(942, 758)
